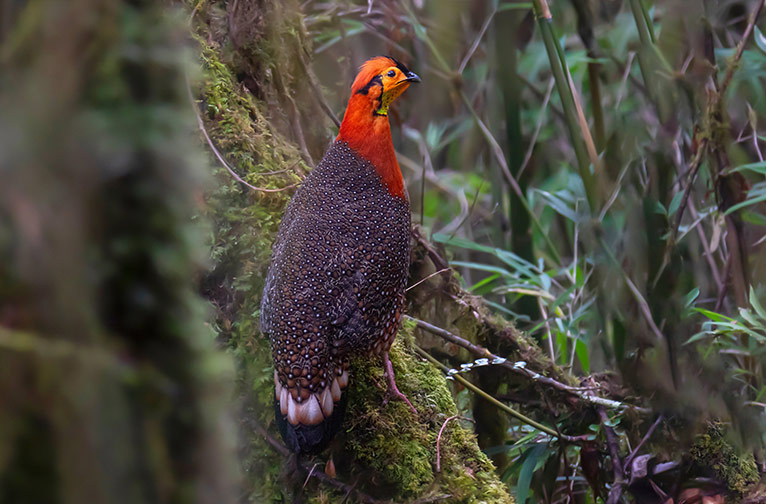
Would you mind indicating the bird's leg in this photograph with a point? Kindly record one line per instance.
(393, 390)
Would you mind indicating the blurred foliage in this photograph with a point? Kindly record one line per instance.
(110, 387)
(596, 177)
(655, 289)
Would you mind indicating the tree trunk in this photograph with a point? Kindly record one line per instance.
(110, 388)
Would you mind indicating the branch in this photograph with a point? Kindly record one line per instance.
(318, 89)
(519, 416)
(219, 156)
(614, 452)
(741, 48)
(646, 437)
(693, 168)
(518, 368)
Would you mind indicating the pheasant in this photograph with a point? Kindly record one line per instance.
(335, 286)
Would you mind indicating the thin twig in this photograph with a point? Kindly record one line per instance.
(470, 211)
(590, 146)
(641, 443)
(642, 304)
(540, 95)
(426, 278)
(740, 49)
(476, 42)
(294, 116)
(220, 157)
(437, 259)
(705, 246)
(547, 328)
(521, 417)
(724, 283)
(310, 473)
(523, 370)
(314, 82)
(614, 452)
(693, 169)
(538, 127)
(438, 441)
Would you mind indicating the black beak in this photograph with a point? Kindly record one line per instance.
(412, 77)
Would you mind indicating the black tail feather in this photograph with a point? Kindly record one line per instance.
(310, 439)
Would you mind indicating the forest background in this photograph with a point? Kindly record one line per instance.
(585, 318)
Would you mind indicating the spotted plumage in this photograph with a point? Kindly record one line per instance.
(336, 284)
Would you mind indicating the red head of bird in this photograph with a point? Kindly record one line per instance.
(365, 124)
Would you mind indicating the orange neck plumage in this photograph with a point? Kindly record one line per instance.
(370, 136)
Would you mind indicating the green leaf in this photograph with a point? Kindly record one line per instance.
(581, 349)
(461, 242)
(760, 40)
(747, 202)
(564, 296)
(757, 306)
(717, 317)
(700, 335)
(518, 316)
(675, 202)
(747, 315)
(658, 207)
(759, 167)
(530, 457)
(558, 204)
(754, 218)
(561, 345)
(691, 297)
(514, 6)
(481, 267)
(485, 281)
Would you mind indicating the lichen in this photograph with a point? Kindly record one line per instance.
(711, 451)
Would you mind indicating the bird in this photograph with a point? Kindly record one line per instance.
(336, 283)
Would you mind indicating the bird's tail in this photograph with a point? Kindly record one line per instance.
(308, 423)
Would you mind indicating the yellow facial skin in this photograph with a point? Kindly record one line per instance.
(395, 82)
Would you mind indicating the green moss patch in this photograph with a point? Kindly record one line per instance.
(400, 448)
(711, 451)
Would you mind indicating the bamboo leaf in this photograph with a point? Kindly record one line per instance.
(531, 458)
(581, 349)
(756, 304)
(760, 40)
(759, 168)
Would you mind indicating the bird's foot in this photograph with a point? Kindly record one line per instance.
(393, 390)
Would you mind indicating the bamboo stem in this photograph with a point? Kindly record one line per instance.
(558, 65)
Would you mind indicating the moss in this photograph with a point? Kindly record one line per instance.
(711, 451)
(243, 226)
(400, 448)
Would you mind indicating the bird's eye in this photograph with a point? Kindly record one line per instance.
(391, 73)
